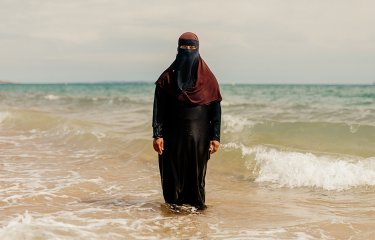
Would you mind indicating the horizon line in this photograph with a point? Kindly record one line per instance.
(2, 82)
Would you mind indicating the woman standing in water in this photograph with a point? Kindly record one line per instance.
(186, 124)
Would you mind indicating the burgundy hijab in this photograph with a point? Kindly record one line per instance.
(189, 78)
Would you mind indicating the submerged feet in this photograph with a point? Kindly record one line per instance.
(185, 208)
(201, 207)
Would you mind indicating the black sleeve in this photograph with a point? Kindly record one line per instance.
(215, 120)
(158, 111)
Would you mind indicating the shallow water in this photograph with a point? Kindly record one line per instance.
(296, 162)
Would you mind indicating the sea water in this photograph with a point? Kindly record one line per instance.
(295, 162)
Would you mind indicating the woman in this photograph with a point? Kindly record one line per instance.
(186, 124)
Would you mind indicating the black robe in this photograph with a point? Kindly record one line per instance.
(187, 130)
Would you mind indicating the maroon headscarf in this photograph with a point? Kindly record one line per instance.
(204, 87)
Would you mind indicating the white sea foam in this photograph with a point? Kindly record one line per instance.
(27, 226)
(99, 135)
(51, 97)
(236, 123)
(3, 116)
(271, 234)
(27, 181)
(354, 127)
(69, 225)
(264, 234)
(297, 169)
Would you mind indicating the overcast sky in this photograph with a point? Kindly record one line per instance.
(243, 41)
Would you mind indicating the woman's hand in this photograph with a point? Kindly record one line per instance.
(158, 144)
(214, 146)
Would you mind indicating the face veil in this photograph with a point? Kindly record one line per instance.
(185, 68)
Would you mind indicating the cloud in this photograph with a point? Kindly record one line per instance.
(329, 40)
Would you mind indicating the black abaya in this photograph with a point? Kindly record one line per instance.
(187, 131)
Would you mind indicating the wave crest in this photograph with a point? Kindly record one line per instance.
(296, 169)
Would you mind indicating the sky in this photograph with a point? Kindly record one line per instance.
(242, 41)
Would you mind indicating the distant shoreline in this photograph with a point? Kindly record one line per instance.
(5, 82)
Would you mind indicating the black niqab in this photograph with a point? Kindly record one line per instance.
(186, 65)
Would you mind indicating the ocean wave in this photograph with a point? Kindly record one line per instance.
(346, 138)
(50, 127)
(30, 119)
(303, 169)
(76, 130)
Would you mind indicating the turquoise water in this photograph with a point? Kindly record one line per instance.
(77, 163)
